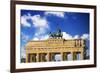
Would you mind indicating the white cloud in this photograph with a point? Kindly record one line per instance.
(66, 35)
(24, 37)
(40, 31)
(43, 37)
(85, 36)
(58, 14)
(24, 21)
(35, 38)
(39, 22)
(41, 25)
(76, 37)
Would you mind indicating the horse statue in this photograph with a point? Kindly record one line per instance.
(57, 34)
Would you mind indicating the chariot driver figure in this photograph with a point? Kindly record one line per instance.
(58, 34)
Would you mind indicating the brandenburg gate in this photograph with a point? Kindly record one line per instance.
(55, 48)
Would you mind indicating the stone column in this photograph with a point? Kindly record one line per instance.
(81, 53)
(37, 57)
(72, 55)
(51, 56)
(40, 56)
(48, 57)
(65, 56)
(44, 57)
(26, 58)
(62, 56)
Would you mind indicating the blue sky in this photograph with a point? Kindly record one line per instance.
(36, 25)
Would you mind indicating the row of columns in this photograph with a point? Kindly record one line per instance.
(46, 57)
